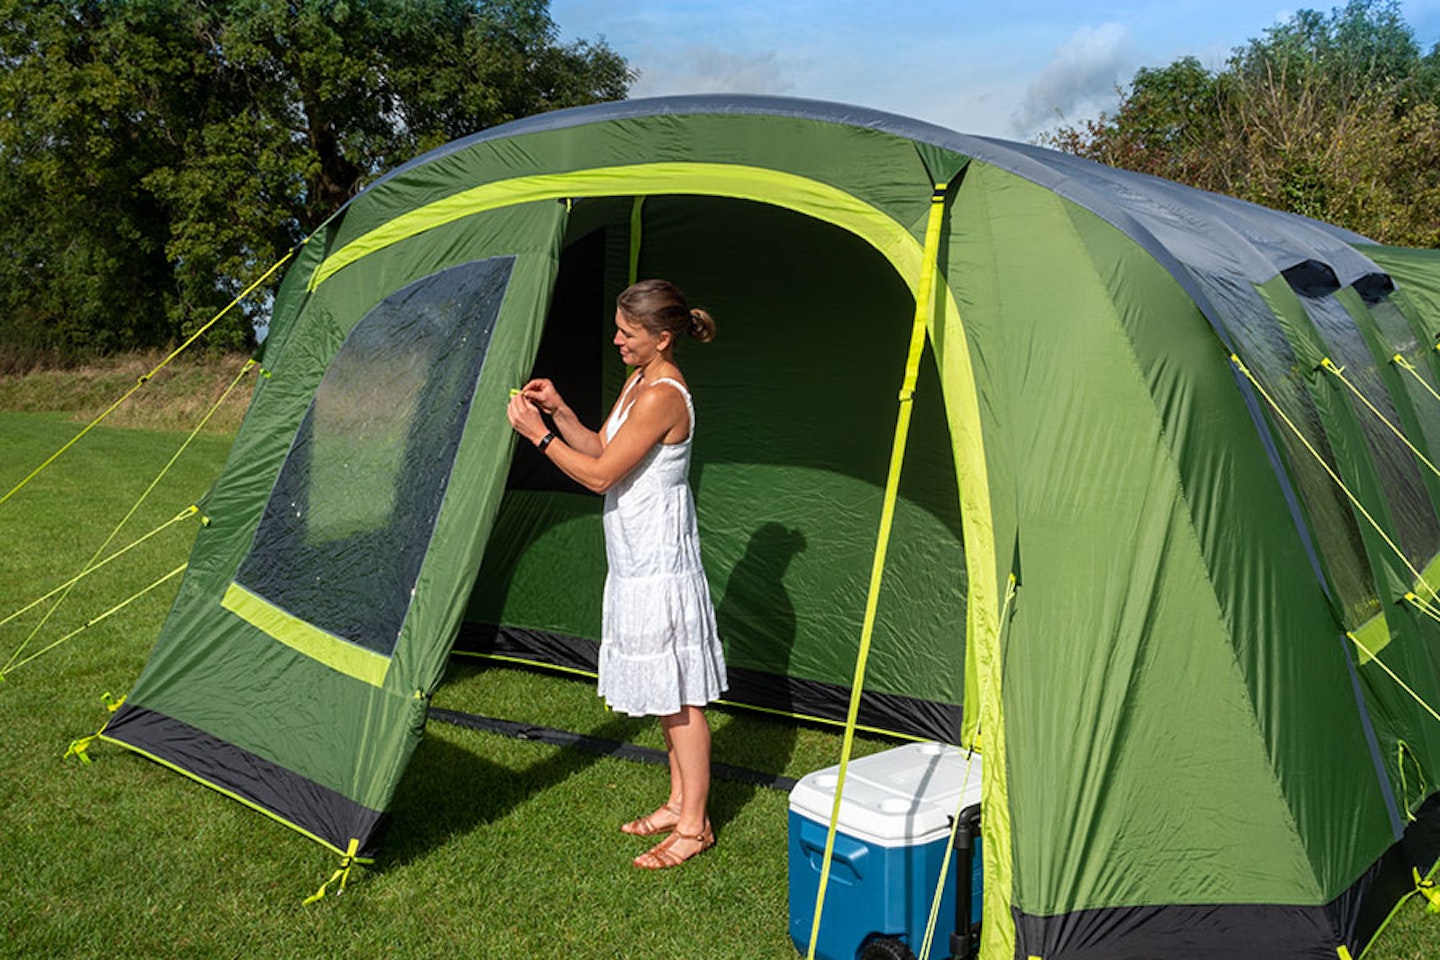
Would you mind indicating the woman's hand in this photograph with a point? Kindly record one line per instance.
(525, 418)
(542, 393)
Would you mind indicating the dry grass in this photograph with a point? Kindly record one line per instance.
(175, 398)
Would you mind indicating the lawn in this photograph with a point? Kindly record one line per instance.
(498, 847)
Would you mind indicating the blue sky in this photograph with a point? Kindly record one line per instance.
(1005, 68)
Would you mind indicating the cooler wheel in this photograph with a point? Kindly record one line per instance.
(886, 948)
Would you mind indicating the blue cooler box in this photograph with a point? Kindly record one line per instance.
(892, 837)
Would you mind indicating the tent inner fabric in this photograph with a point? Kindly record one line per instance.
(792, 444)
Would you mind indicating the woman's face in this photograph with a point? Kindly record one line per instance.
(637, 345)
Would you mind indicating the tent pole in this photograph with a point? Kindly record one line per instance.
(924, 311)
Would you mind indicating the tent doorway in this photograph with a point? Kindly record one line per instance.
(795, 417)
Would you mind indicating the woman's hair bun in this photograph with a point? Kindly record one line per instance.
(702, 325)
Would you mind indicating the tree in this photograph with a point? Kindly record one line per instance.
(1363, 44)
(1164, 124)
(158, 155)
(81, 238)
(1330, 116)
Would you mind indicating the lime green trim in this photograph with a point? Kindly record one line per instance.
(983, 621)
(823, 202)
(1374, 634)
(899, 246)
(525, 663)
(335, 652)
(788, 714)
(924, 311)
(997, 926)
(1431, 574)
(740, 182)
(233, 796)
(1371, 637)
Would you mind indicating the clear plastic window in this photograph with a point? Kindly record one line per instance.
(350, 517)
(1395, 464)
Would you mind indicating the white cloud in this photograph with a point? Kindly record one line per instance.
(708, 69)
(1080, 80)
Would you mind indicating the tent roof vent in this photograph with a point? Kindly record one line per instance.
(1374, 287)
(1311, 278)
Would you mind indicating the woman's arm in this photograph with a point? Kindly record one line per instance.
(542, 393)
(654, 414)
(575, 433)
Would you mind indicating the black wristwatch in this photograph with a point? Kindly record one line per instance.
(545, 441)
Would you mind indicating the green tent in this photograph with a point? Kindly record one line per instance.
(1194, 434)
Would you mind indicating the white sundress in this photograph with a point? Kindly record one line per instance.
(659, 649)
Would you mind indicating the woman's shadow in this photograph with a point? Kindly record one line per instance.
(449, 790)
(757, 623)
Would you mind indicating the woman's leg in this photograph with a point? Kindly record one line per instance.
(677, 781)
(662, 819)
(687, 735)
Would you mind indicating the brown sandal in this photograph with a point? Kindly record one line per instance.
(648, 826)
(664, 854)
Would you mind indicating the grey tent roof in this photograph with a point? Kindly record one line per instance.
(1195, 234)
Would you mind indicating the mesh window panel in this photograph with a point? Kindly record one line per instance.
(1261, 343)
(350, 518)
(1410, 508)
(1400, 338)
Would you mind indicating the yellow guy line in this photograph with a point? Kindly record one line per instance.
(185, 514)
(924, 309)
(1404, 364)
(1423, 605)
(1403, 685)
(1339, 373)
(158, 367)
(1419, 577)
(185, 445)
(90, 623)
(934, 920)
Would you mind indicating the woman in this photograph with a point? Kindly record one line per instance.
(659, 652)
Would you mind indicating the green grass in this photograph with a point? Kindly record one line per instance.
(497, 847)
(174, 398)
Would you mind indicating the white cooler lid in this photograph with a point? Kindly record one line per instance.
(900, 797)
